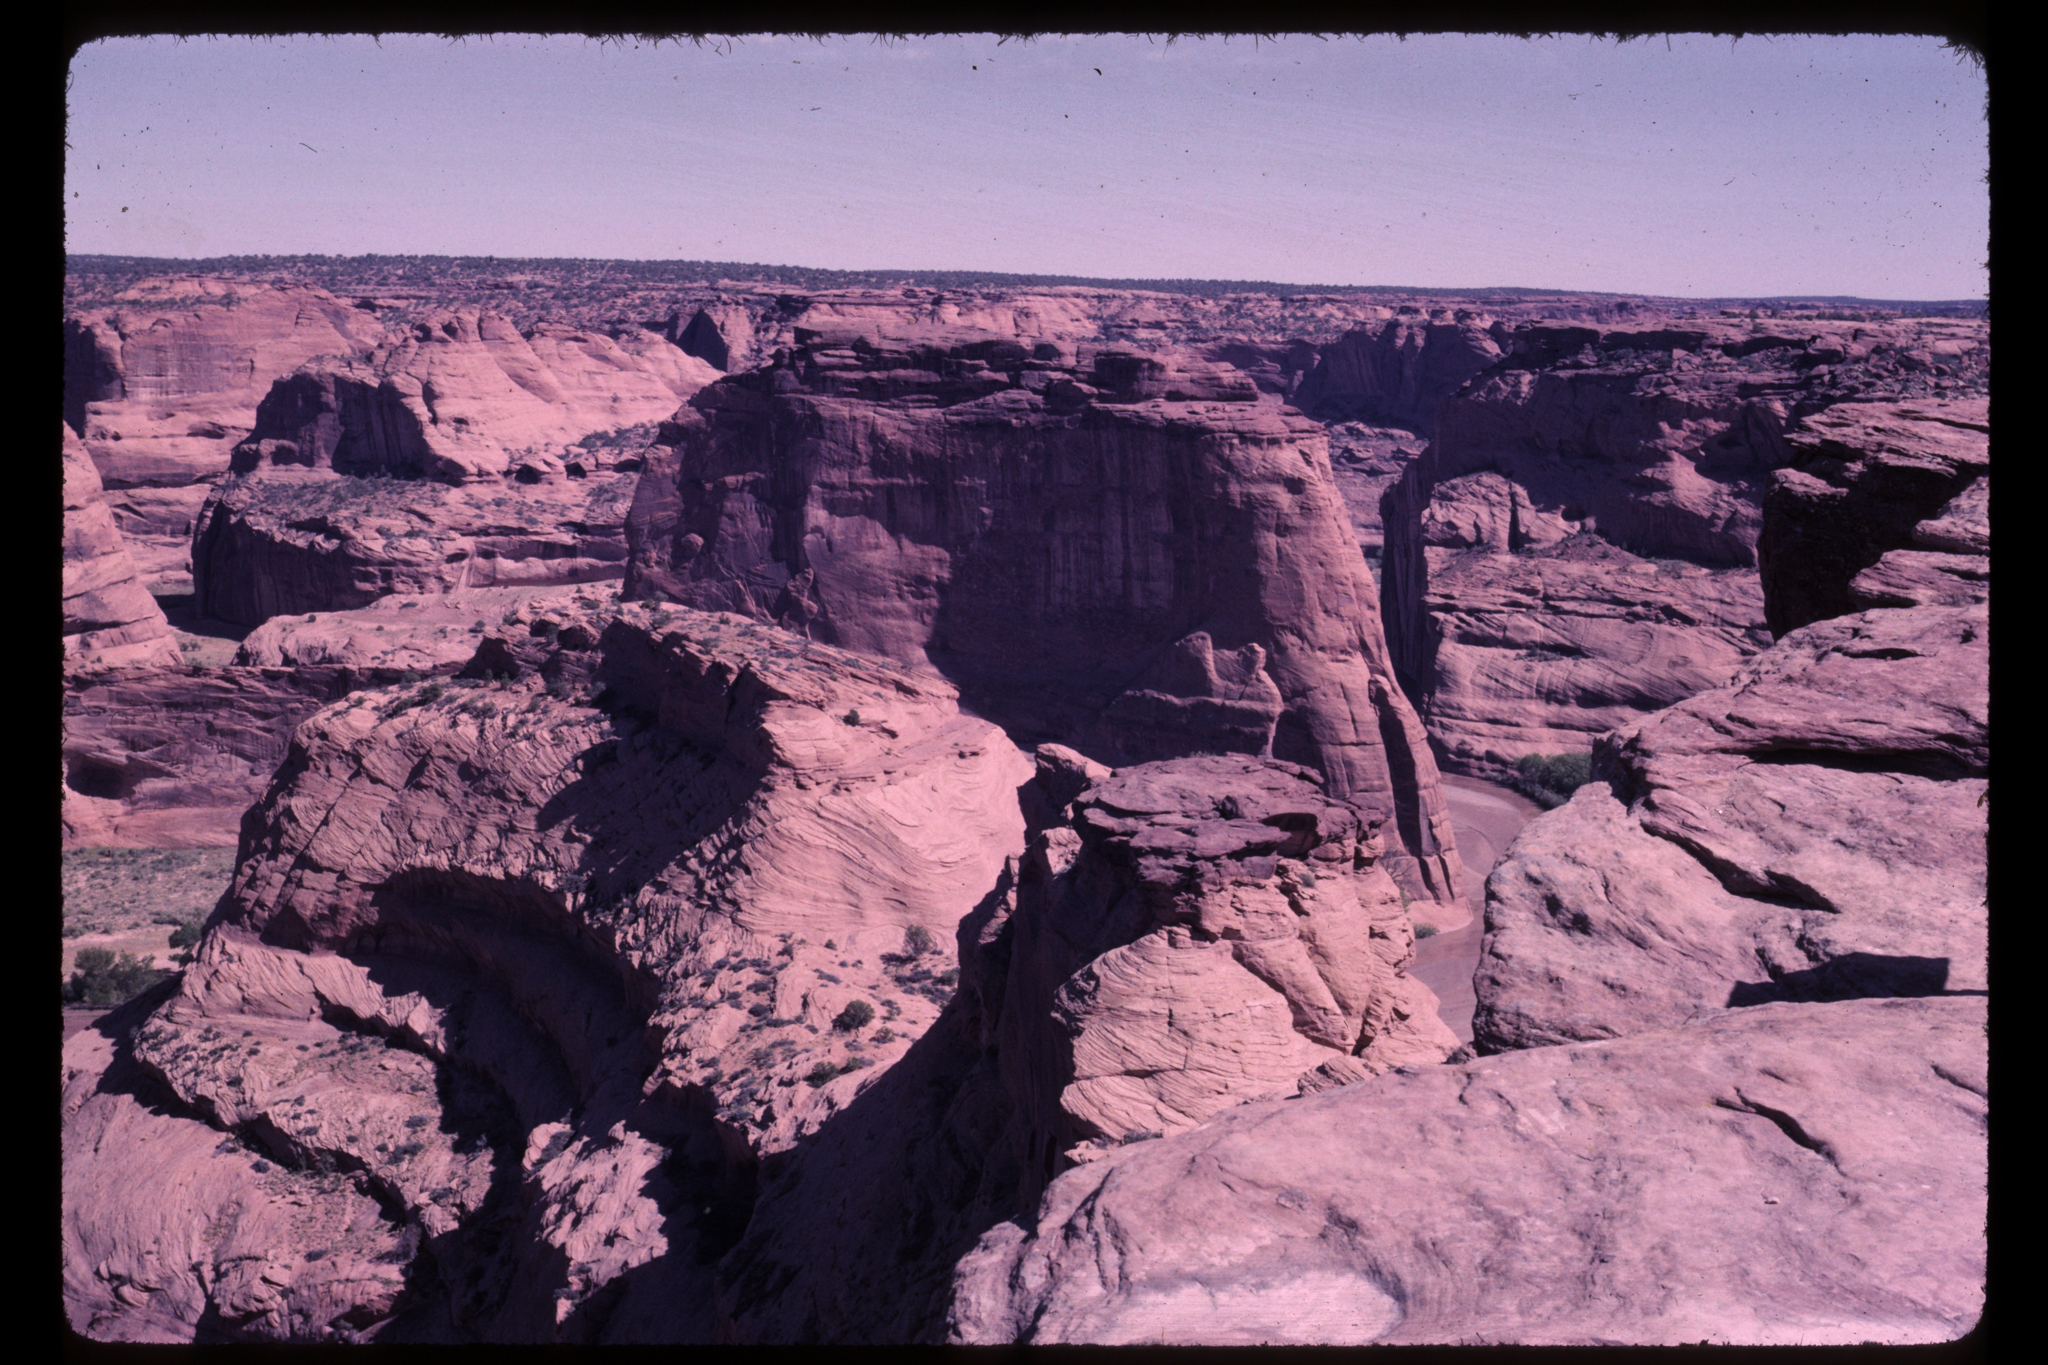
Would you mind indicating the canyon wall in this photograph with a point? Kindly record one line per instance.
(110, 620)
(1578, 545)
(1137, 558)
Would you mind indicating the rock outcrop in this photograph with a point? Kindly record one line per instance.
(1132, 556)
(509, 988)
(284, 542)
(467, 397)
(1620, 452)
(110, 620)
(1786, 1175)
(1813, 831)
(162, 387)
(1400, 371)
(1883, 505)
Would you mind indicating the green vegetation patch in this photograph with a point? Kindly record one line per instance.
(1550, 779)
(128, 890)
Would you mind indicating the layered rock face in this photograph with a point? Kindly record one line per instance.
(288, 541)
(160, 391)
(1812, 831)
(1577, 546)
(110, 620)
(1400, 371)
(1883, 505)
(467, 397)
(1181, 936)
(509, 987)
(1139, 559)
(1731, 990)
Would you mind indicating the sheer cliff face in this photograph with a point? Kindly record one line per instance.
(1579, 544)
(1139, 560)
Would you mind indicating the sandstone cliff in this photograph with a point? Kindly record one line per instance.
(1883, 505)
(160, 389)
(1641, 459)
(283, 541)
(465, 396)
(110, 620)
(1400, 371)
(510, 988)
(1132, 556)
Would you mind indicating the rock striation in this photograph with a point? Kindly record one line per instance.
(465, 396)
(161, 387)
(1812, 831)
(285, 542)
(1399, 372)
(1180, 937)
(110, 620)
(1133, 555)
(1882, 505)
(1793, 1174)
(1648, 452)
(510, 988)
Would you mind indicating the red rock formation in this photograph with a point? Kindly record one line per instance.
(1602, 446)
(533, 980)
(1884, 504)
(1787, 1175)
(280, 542)
(466, 397)
(162, 387)
(1053, 538)
(109, 619)
(1400, 371)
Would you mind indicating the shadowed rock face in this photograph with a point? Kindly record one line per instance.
(1180, 937)
(109, 619)
(1577, 546)
(1401, 370)
(1067, 543)
(1884, 505)
(557, 975)
(284, 542)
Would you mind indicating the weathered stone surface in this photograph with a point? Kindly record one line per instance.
(1205, 931)
(1643, 445)
(1790, 1174)
(1846, 518)
(284, 542)
(557, 967)
(466, 397)
(1401, 370)
(110, 620)
(1545, 650)
(1813, 831)
(1052, 537)
(161, 386)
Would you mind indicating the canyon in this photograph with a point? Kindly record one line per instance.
(766, 814)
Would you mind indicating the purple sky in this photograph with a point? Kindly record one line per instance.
(1691, 166)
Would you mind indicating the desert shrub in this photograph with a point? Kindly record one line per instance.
(103, 980)
(820, 1074)
(918, 940)
(856, 1016)
(186, 935)
(1550, 779)
(1425, 930)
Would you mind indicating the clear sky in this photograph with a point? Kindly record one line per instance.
(1690, 166)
